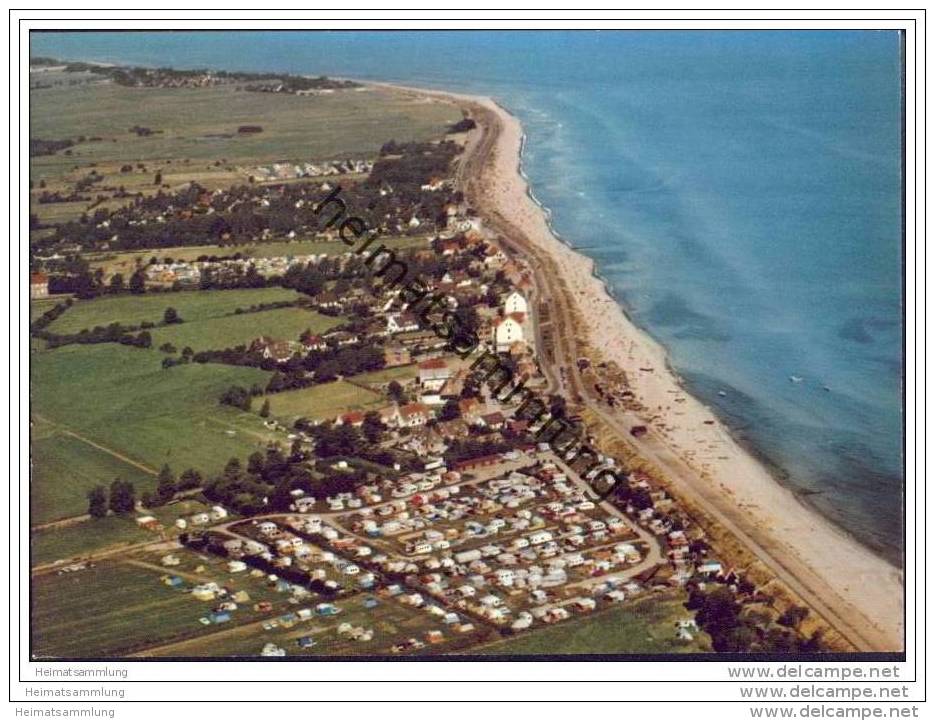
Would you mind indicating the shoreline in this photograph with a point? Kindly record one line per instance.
(823, 563)
(778, 473)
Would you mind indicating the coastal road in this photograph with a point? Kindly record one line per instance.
(475, 178)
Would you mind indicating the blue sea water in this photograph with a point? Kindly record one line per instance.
(740, 192)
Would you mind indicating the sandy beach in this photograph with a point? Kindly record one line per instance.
(817, 549)
(859, 593)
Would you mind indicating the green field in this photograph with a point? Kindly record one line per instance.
(645, 626)
(122, 399)
(116, 608)
(324, 401)
(195, 133)
(38, 306)
(191, 305)
(385, 375)
(234, 330)
(86, 537)
(65, 468)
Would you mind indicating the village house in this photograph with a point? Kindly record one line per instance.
(413, 415)
(38, 285)
(515, 303)
(434, 371)
(401, 323)
(507, 331)
(279, 351)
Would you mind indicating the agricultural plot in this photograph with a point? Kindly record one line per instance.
(121, 399)
(61, 456)
(324, 401)
(191, 306)
(119, 608)
(77, 540)
(645, 626)
(108, 610)
(234, 330)
(38, 306)
(191, 140)
(402, 374)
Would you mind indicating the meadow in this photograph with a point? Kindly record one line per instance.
(120, 607)
(234, 330)
(82, 538)
(65, 468)
(193, 139)
(191, 306)
(324, 401)
(106, 611)
(121, 399)
(644, 626)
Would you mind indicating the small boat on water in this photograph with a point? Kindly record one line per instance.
(796, 379)
(723, 394)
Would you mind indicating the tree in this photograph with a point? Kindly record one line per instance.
(122, 497)
(117, 284)
(373, 427)
(450, 411)
(264, 410)
(233, 469)
(396, 392)
(189, 479)
(158, 179)
(256, 463)
(171, 316)
(97, 502)
(138, 282)
(165, 486)
(238, 397)
(793, 616)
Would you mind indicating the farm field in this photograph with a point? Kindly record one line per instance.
(38, 306)
(323, 401)
(119, 607)
(385, 375)
(106, 611)
(191, 305)
(58, 457)
(187, 124)
(83, 538)
(234, 330)
(123, 400)
(191, 140)
(645, 626)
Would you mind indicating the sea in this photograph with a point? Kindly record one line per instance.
(740, 191)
